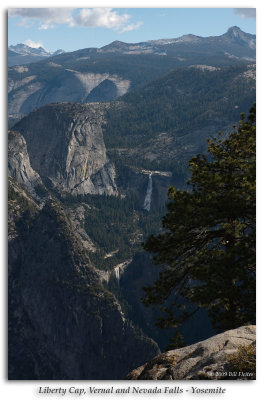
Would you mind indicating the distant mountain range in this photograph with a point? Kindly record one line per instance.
(23, 54)
(234, 42)
(104, 74)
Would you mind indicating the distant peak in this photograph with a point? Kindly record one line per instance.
(117, 42)
(189, 36)
(116, 45)
(234, 29)
(236, 34)
(58, 52)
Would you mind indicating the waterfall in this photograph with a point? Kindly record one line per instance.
(117, 273)
(120, 269)
(147, 201)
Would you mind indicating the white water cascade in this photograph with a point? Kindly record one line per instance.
(147, 201)
(117, 273)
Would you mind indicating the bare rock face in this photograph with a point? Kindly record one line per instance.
(66, 147)
(77, 217)
(203, 360)
(17, 208)
(63, 324)
(19, 166)
(28, 92)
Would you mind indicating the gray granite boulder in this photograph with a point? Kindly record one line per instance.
(209, 359)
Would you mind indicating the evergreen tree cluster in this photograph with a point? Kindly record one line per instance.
(207, 249)
(179, 101)
(117, 226)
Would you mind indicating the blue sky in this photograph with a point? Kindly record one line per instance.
(72, 29)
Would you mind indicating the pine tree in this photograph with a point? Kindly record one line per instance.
(207, 249)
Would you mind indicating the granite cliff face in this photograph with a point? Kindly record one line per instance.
(208, 360)
(19, 166)
(62, 323)
(66, 148)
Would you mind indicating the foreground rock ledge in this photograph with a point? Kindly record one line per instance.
(202, 360)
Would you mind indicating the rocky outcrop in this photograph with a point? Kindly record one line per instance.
(19, 166)
(66, 148)
(209, 359)
(63, 324)
(77, 216)
(19, 201)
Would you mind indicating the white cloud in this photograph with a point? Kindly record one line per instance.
(25, 23)
(246, 12)
(101, 17)
(98, 17)
(46, 16)
(131, 27)
(34, 45)
(44, 27)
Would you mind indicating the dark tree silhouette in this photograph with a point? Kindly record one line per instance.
(207, 249)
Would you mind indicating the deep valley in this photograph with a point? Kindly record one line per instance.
(96, 138)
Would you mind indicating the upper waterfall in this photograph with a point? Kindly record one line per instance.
(147, 201)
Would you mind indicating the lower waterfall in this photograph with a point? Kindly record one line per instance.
(117, 273)
(147, 201)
